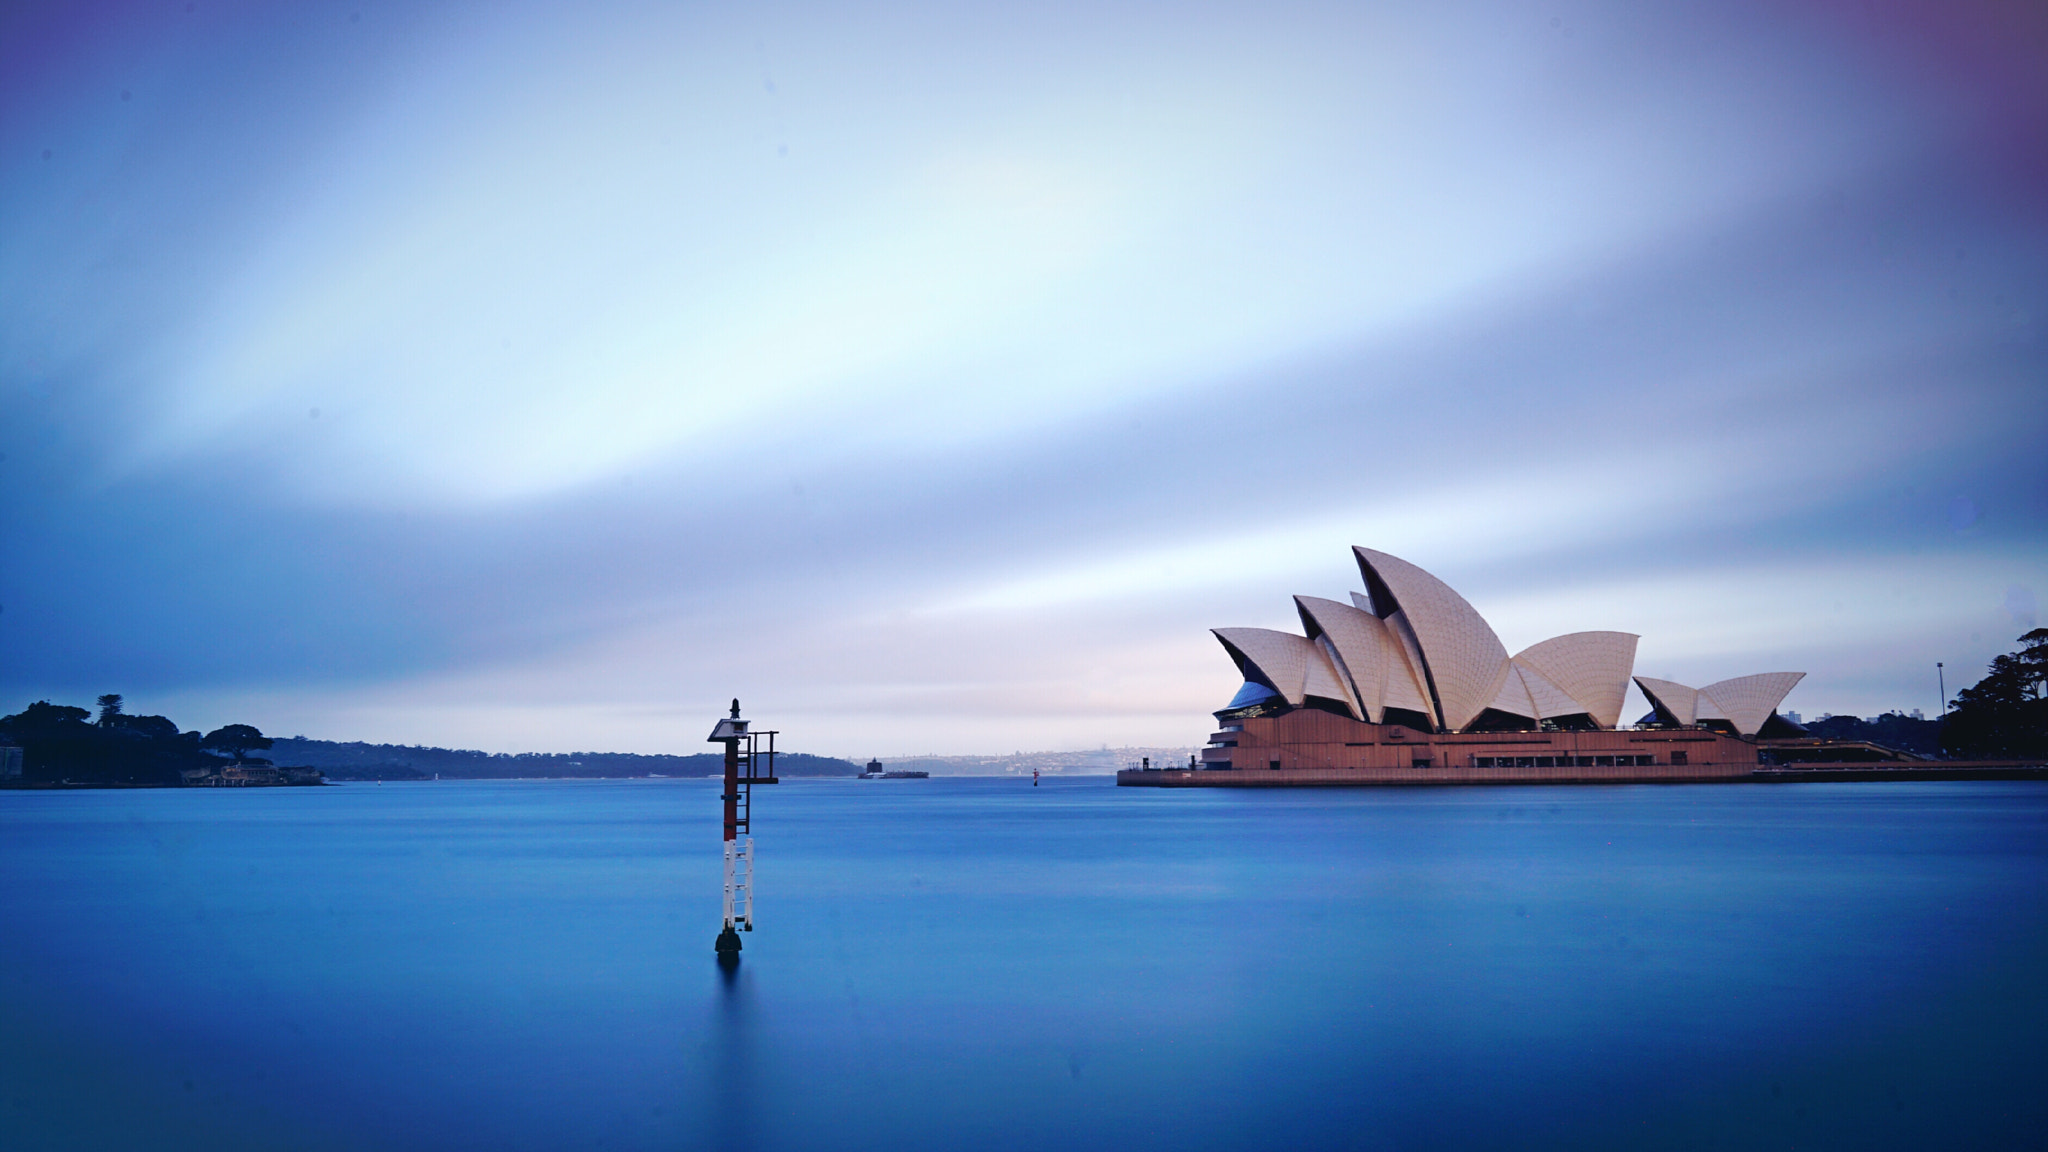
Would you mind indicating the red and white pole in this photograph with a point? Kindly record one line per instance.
(739, 850)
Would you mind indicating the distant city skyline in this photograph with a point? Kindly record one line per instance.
(538, 379)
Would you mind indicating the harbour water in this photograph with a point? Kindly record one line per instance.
(954, 964)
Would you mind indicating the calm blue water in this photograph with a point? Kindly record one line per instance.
(955, 964)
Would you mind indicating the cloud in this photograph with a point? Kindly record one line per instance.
(545, 253)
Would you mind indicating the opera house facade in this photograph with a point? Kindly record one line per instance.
(1408, 684)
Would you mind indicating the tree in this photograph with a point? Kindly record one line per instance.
(237, 740)
(2004, 715)
(148, 727)
(61, 743)
(110, 707)
(58, 742)
(43, 716)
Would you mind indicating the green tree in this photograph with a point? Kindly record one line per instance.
(58, 742)
(237, 740)
(2004, 715)
(147, 727)
(44, 716)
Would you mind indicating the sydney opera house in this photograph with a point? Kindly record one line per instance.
(1408, 684)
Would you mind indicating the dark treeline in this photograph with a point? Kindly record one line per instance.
(61, 743)
(64, 744)
(359, 761)
(2005, 715)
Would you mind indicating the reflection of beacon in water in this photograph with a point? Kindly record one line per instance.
(749, 760)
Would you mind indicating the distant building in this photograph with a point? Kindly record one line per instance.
(10, 763)
(251, 774)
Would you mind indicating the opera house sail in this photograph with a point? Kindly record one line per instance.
(1408, 683)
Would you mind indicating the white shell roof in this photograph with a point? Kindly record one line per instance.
(1748, 701)
(1409, 691)
(1346, 693)
(1551, 701)
(1464, 659)
(1429, 651)
(1673, 697)
(1590, 667)
(1745, 702)
(1363, 647)
(1514, 696)
(1323, 679)
(1292, 664)
(1401, 685)
(1526, 692)
(1278, 658)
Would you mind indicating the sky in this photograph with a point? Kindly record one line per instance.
(933, 377)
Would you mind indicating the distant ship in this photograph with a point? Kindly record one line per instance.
(875, 772)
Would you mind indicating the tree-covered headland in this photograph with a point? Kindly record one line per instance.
(356, 760)
(2005, 715)
(63, 744)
